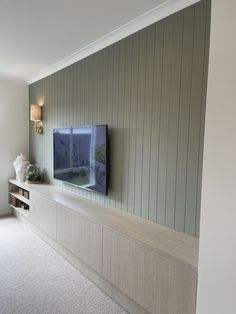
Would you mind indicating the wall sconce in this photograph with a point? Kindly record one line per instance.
(36, 116)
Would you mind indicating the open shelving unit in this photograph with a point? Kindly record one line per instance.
(19, 199)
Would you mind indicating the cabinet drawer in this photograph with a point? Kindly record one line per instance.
(81, 236)
(155, 282)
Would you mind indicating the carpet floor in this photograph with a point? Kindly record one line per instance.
(35, 279)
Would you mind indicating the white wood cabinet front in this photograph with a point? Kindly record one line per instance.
(43, 213)
(155, 282)
(81, 236)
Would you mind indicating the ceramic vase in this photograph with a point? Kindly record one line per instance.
(21, 162)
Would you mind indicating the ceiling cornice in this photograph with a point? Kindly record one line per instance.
(156, 14)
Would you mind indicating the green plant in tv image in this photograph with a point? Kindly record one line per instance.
(100, 153)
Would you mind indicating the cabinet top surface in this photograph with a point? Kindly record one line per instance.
(175, 244)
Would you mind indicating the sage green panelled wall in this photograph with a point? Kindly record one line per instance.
(150, 89)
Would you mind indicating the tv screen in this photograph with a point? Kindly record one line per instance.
(81, 156)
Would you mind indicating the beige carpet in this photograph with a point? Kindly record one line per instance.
(35, 279)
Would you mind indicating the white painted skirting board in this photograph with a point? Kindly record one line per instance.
(156, 14)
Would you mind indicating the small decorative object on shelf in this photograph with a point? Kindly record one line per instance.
(33, 174)
(24, 206)
(21, 192)
(20, 165)
(26, 194)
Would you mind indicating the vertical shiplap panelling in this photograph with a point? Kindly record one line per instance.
(172, 149)
(126, 119)
(150, 89)
(164, 116)
(148, 92)
(140, 121)
(120, 122)
(184, 101)
(156, 118)
(109, 97)
(133, 120)
(115, 154)
(195, 118)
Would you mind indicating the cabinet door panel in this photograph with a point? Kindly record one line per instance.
(81, 236)
(155, 282)
(43, 214)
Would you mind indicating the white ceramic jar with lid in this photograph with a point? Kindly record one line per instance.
(21, 162)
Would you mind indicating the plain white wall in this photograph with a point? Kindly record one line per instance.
(14, 132)
(217, 260)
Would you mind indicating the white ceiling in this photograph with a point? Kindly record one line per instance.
(37, 34)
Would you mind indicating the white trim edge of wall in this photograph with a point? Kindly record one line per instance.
(156, 14)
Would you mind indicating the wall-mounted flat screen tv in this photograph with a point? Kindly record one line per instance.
(81, 156)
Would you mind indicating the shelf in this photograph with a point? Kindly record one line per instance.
(20, 197)
(24, 212)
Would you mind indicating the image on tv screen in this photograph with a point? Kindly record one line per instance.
(80, 156)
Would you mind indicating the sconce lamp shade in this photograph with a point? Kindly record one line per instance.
(35, 113)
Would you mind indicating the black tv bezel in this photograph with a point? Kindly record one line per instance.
(107, 158)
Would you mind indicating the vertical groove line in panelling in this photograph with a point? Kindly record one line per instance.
(104, 103)
(82, 93)
(100, 196)
(180, 87)
(90, 90)
(133, 120)
(46, 165)
(123, 128)
(87, 101)
(189, 124)
(76, 93)
(121, 115)
(79, 93)
(148, 91)
(129, 123)
(82, 105)
(140, 122)
(106, 198)
(111, 197)
(144, 117)
(109, 109)
(95, 116)
(126, 125)
(92, 81)
(115, 123)
(160, 114)
(151, 121)
(74, 84)
(169, 108)
(118, 129)
(136, 122)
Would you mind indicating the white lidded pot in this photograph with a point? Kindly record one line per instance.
(21, 162)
